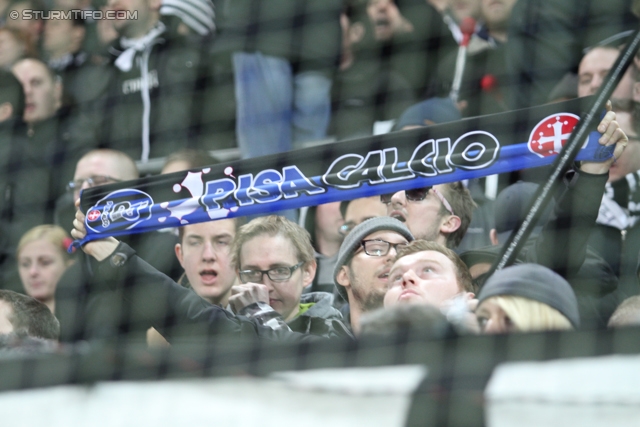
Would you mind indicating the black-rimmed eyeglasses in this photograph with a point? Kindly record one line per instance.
(92, 181)
(377, 247)
(418, 195)
(276, 274)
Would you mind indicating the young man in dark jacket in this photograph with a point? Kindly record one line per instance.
(274, 266)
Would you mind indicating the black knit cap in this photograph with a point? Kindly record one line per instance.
(537, 283)
(359, 232)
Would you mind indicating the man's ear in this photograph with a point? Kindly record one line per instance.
(308, 272)
(343, 276)
(178, 249)
(6, 111)
(493, 236)
(449, 224)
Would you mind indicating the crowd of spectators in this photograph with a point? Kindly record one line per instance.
(84, 102)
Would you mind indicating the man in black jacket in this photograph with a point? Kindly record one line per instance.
(149, 89)
(83, 311)
(38, 159)
(268, 301)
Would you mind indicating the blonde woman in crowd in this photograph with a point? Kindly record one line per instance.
(526, 298)
(42, 259)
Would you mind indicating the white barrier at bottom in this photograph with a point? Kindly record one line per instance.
(589, 392)
(331, 397)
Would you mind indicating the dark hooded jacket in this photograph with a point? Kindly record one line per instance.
(153, 108)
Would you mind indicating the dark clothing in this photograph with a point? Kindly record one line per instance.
(547, 39)
(153, 109)
(484, 81)
(36, 163)
(364, 94)
(79, 73)
(616, 236)
(622, 248)
(562, 247)
(147, 298)
(306, 33)
(86, 311)
(415, 55)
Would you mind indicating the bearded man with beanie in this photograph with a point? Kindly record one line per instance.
(364, 260)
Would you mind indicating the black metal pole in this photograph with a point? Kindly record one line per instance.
(568, 153)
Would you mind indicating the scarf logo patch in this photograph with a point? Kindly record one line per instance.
(551, 133)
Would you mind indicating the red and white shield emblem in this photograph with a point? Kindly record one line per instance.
(93, 215)
(548, 137)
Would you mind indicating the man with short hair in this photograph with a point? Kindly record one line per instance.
(439, 213)
(615, 236)
(23, 315)
(100, 167)
(37, 161)
(595, 66)
(275, 261)
(362, 269)
(273, 258)
(84, 310)
(426, 272)
(204, 251)
(43, 91)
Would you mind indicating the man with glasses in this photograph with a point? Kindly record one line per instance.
(363, 265)
(273, 257)
(441, 213)
(275, 261)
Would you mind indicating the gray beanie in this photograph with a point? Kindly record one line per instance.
(535, 282)
(359, 232)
